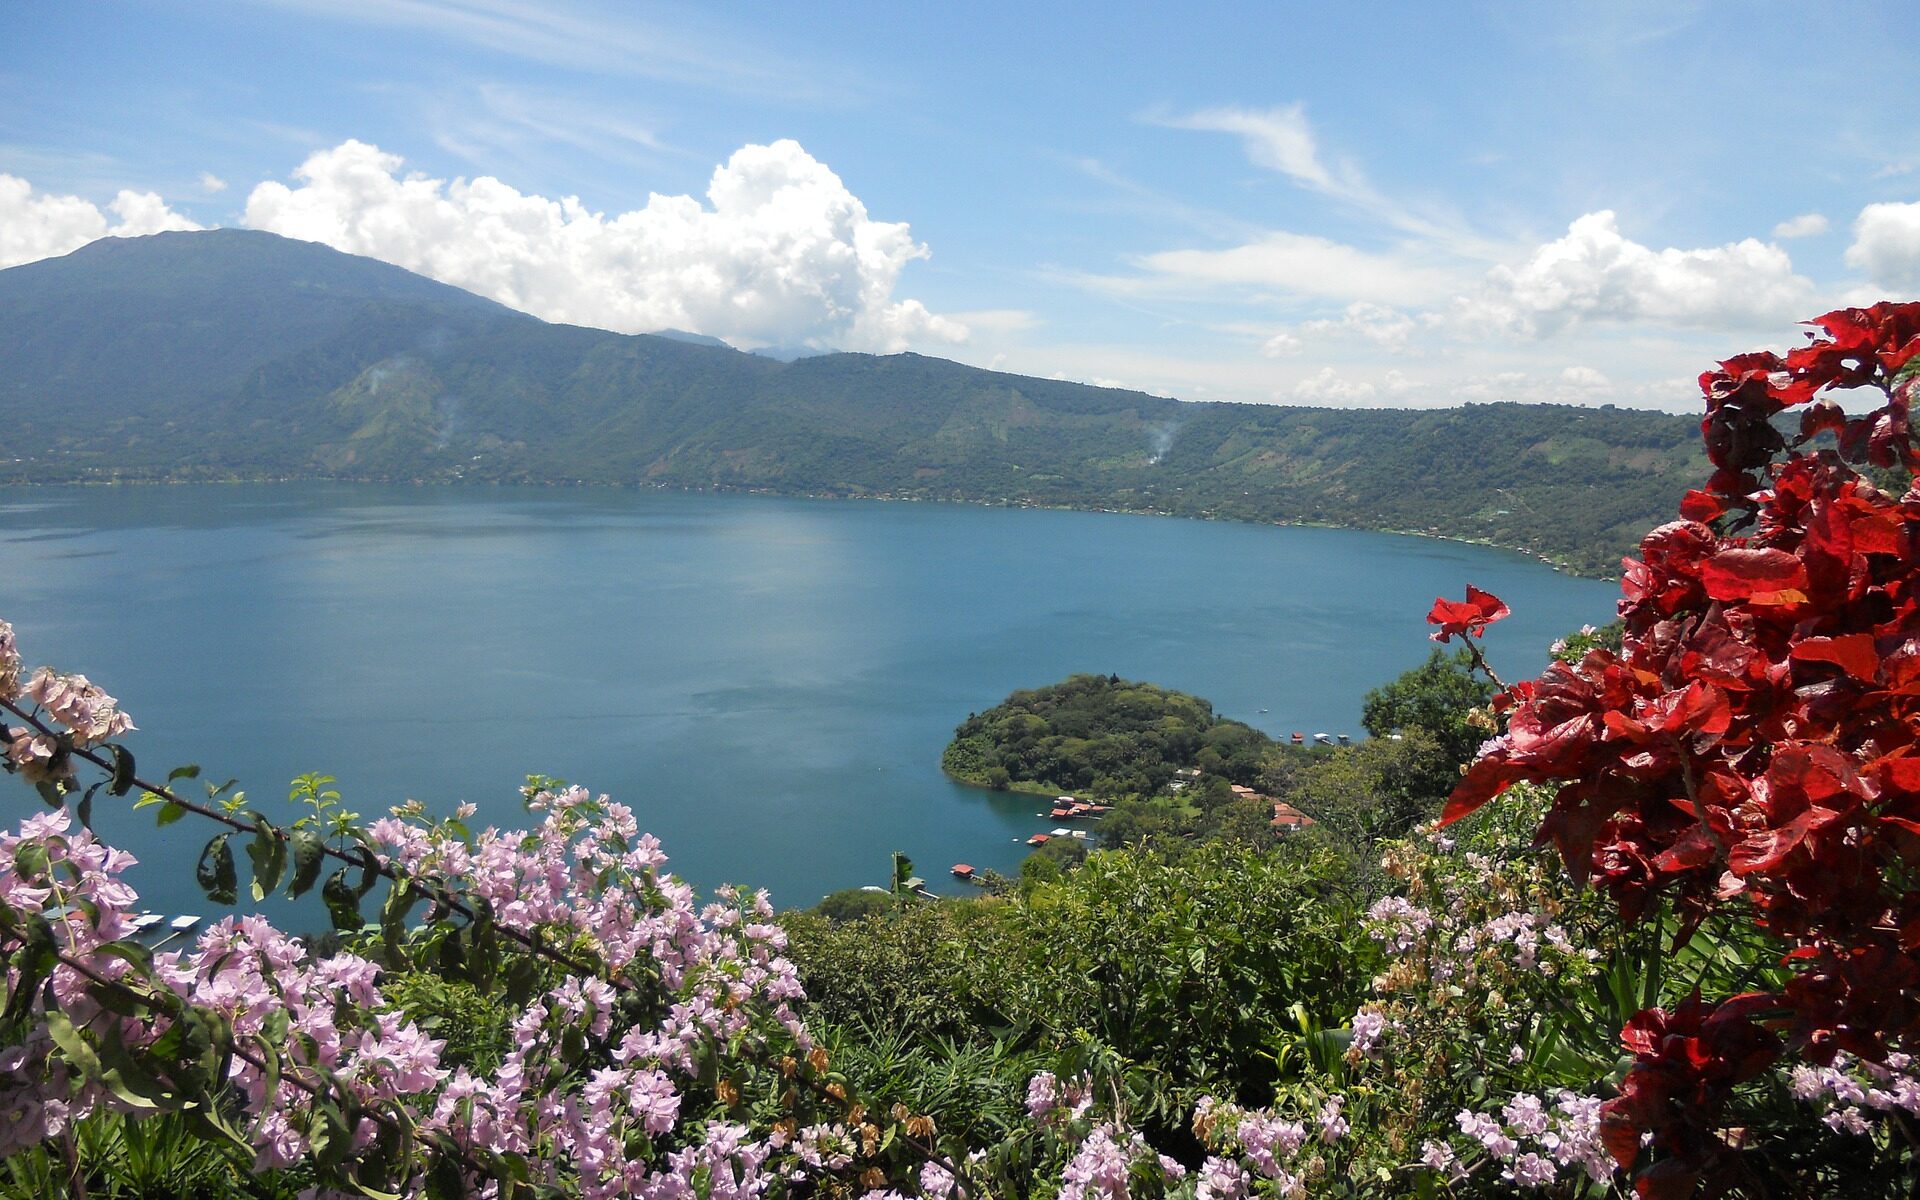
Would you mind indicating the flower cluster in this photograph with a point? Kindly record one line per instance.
(1755, 741)
(87, 715)
(319, 1056)
(1849, 1090)
(1533, 1139)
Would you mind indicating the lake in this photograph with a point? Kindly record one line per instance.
(768, 682)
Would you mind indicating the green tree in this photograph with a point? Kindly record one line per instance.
(1435, 696)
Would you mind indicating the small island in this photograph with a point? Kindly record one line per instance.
(1100, 734)
(1123, 762)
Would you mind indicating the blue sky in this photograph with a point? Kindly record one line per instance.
(1385, 205)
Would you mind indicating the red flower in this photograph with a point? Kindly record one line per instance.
(1472, 616)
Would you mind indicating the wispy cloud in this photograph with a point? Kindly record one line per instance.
(613, 41)
(1282, 139)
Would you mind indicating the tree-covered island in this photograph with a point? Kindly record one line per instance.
(1167, 765)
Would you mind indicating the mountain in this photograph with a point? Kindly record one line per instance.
(240, 354)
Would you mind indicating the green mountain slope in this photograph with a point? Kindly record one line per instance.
(238, 354)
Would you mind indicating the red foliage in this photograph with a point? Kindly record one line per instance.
(1755, 744)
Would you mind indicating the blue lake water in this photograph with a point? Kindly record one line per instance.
(768, 682)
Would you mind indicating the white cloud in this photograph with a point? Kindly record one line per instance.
(1805, 225)
(1328, 385)
(998, 320)
(211, 183)
(1886, 245)
(1300, 265)
(1596, 274)
(1585, 377)
(782, 253)
(1383, 327)
(1279, 139)
(42, 226)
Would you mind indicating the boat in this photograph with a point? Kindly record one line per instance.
(1323, 739)
(1299, 739)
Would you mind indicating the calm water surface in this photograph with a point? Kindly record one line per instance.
(768, 682)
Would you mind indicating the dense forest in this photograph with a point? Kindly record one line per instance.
(1100, 734)
(233, 354)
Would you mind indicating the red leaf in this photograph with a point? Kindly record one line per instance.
(1696, 849)
(1760, 576)
(1852, 653)
(1702, 506)
(1489, 775)
(1770, 847)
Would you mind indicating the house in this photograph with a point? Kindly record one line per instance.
(1287, 818)
(963, 871)
(1039, 839)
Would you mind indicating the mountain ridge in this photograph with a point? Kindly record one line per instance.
(240, 354)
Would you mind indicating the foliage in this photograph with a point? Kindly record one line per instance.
(1101, 735)
(1376, 790)
(1438, 696)
(851, 904)
(1748, 755)
(1699, 978)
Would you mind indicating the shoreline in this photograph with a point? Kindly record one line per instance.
(1555, 564)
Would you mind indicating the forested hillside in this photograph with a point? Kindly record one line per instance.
(237, 354)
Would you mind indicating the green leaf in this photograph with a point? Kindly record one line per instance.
(309, 852)
(122, 771)
(269, 856)
(50, 792)
(215, 871)
(343, 903)
(190, 771)
(30, 861)
(73, 1045)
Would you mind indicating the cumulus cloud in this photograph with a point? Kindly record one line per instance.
(211, 183)
(1886, 245)
(1389, 329)
(1328, 386)
(1804, 225)
(35, 226)
(1596, 274)
(781, 252)
(1587, 378)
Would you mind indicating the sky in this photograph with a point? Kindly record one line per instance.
(1401, 205)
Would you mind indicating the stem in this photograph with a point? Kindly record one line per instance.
(1480, 662)
(1693, 797)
